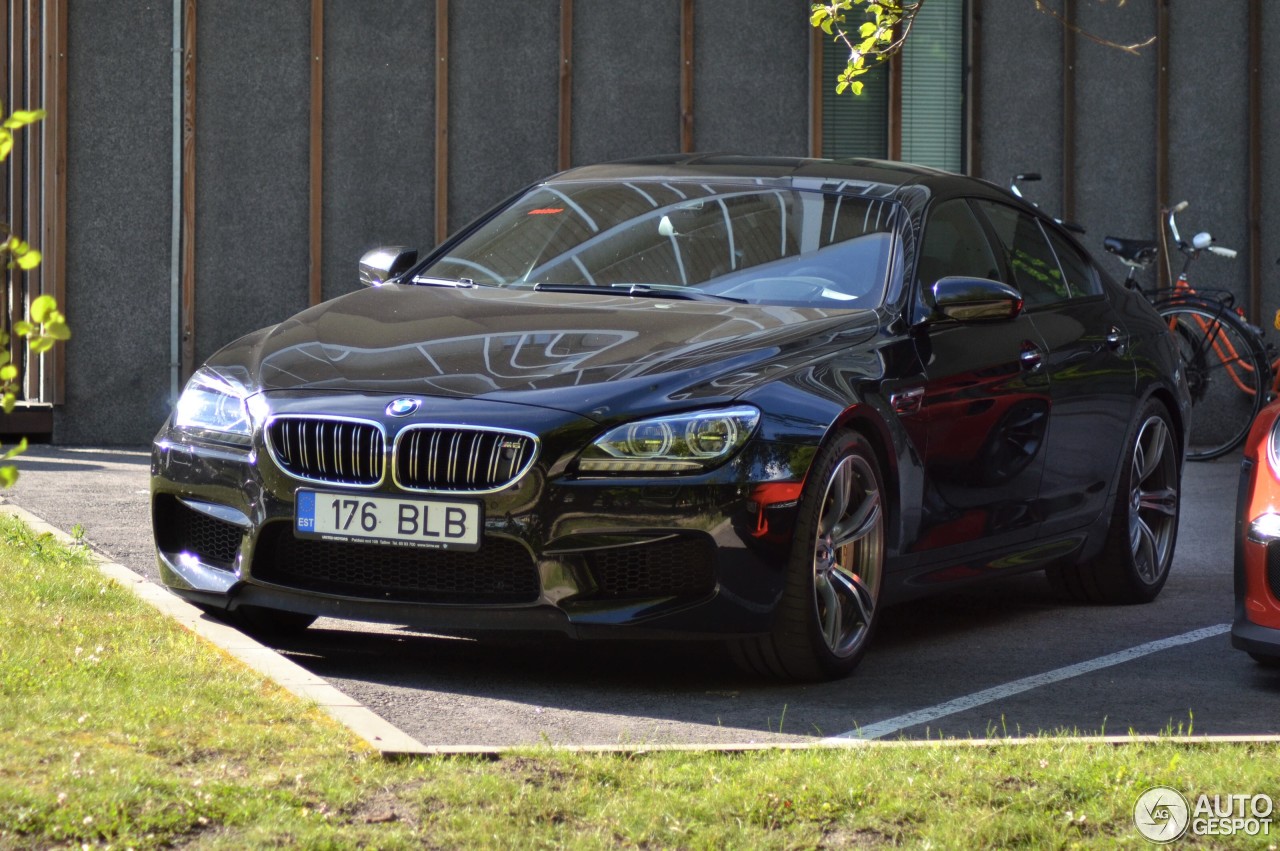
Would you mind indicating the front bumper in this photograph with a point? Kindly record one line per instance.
(689, 557)
(1256, 624)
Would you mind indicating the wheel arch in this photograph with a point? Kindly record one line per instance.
(864, 420)
(1170, 402)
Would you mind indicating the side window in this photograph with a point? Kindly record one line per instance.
(1035, 268)
(1082, 278)
(954, 244)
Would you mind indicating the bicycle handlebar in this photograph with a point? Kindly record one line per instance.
(1173, 225)
(1200, 242)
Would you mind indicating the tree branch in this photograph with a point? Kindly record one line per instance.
(1135, 48)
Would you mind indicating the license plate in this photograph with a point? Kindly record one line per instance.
(430, 523)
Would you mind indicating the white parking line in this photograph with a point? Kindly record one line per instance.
(960, 704)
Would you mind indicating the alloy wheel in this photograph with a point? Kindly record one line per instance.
(848, 556)
(1153, 499)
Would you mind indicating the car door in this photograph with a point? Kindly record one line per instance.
(983, 410)
(1091, 378)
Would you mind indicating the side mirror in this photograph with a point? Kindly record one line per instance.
(976, 299)
(382, 264)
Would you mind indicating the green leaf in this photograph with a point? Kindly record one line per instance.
(58, 330)
(15, 451)
(866, 29)
(6, 143)
(40, 345)
(9, 402)
(8, 372)
(43, 307)
(857, 87)
(23, 328)
(28, 259)
(840, 87)
(8, 475)
(23, 117)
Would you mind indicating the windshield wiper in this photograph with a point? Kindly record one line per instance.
(673, 291)
(428, 281)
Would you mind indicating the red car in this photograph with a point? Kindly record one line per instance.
(1256, 628)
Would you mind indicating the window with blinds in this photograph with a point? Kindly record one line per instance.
(933, 88)
(853, 126)
(929, 108)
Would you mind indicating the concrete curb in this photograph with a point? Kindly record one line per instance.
(382, 736)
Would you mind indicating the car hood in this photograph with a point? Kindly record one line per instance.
(588, 354)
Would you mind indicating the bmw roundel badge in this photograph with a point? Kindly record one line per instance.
(403, 407)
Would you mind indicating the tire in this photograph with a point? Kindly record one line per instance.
(1135, 560)
(831, 597)
(1227, 372)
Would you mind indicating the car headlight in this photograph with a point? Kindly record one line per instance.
(214, 401)
(681, 443)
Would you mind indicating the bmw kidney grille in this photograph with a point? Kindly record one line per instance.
(427, 458)
(341, 452)
(446, 458)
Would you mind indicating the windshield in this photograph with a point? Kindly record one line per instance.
(753, 244)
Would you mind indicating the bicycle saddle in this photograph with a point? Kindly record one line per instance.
(1137, 251)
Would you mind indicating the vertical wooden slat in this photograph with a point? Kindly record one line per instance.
(6, 78)
(686, 76)
(1069, 110)
(5, 68)
(53, 232)
(894, 130)
(565, 159)
(442, 120)
(188, 189)
(974, 88)
(15, 302)
(32, 197)
(317, 153)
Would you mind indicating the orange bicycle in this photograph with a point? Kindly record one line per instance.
(1225, 358)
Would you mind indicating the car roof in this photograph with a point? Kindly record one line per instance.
(879, 177)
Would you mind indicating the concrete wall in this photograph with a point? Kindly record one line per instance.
(1020, 124)
(626, 94)
(379, 133)
(1115, 140)
(751, 78)
(1270, 129)
(751, 94)
(252, 143)
(118, 222)
(504, 88)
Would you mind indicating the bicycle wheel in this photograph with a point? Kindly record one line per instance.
(1227, 373)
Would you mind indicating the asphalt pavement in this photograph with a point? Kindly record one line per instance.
(1004, 659)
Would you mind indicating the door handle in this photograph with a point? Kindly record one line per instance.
(1032, 357)
(1117, 340)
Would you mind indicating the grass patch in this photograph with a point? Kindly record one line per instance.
(119, 728)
